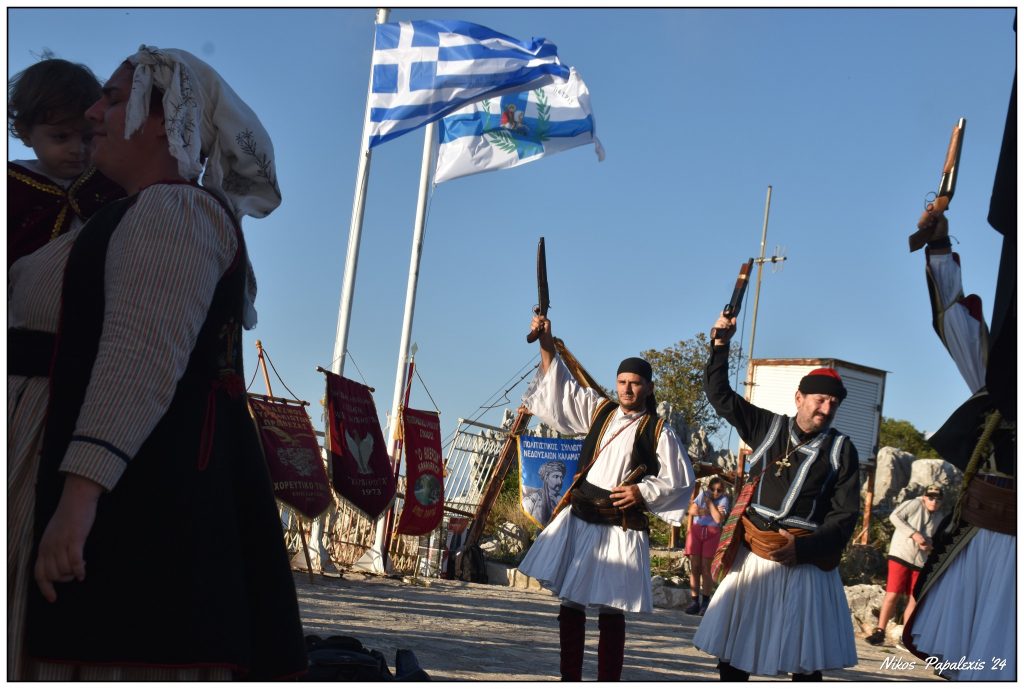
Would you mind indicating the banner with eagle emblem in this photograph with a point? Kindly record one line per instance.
(293, 455)
(361, 469)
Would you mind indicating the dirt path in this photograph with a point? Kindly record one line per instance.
(478, 632)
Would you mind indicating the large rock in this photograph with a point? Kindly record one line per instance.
(892, 472)
(663, 596)
(513, 538)
(865, 601)
(925, 472)
(862, 564)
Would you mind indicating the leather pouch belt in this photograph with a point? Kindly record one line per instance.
(761, 543)
(991, 507)
(599, 510)
(29, 352)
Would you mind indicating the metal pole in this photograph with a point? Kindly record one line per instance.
(355, 230)
(757, 289)
(379, 557)
(351, 261)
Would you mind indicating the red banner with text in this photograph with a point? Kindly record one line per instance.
(424, 487)
(293, 456)
(361, 467)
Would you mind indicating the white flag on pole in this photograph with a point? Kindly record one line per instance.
(423, 70)
(516, 128)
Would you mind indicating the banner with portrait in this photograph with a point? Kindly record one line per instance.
(546, 468)
(361, 468)
(293, 455)
(424, 482)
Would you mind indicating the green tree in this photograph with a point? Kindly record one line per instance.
(902, 434)
(679, 379)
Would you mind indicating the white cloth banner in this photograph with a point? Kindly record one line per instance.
(517, 128)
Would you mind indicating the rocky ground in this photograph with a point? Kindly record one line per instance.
(478, 632)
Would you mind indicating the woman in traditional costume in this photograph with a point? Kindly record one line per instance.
(143, 536)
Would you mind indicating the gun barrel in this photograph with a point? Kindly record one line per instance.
(947, 184)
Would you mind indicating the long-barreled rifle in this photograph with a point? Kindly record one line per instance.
(543, 300)
(947, 185)
(732, 309)
(509, 448)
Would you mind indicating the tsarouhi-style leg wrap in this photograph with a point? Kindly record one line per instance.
(572, 625)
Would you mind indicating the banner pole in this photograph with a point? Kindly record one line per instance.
(392, 525)
(298, 518)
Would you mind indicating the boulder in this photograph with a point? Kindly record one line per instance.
(663, 596)
(925, 472)
(862, 564)
(512, 538)
(892, 472)
(865, 601)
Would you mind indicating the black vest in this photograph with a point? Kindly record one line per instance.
(644, 446)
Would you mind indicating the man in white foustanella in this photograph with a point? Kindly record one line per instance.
(595, 554)
(782, 609)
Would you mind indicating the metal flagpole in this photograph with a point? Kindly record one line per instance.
(376, 558)
(349, 281)
(761, 260)
(757, 290)
(355, 229)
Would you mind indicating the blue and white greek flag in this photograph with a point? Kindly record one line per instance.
(423, 70)
(517, 128)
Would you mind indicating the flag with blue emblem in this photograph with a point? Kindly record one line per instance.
(516, 128)
(423, 70)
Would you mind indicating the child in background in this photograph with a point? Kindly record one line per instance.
(58, 191)
(708, 512)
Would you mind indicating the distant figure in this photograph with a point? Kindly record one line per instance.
(781, 608)
(60, 189)
(540, 502)
(597, 552)
(916, 521)
(707, 512)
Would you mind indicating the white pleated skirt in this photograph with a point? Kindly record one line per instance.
(770, 619)
(592, 564)
(968, 619)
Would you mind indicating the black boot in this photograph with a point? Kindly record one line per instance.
(611, 647)
(572, 627)
(728, 673)
(809, 677)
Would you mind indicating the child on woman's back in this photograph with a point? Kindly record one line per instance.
(58, 191)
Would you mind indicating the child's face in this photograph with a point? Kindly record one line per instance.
(63, 149)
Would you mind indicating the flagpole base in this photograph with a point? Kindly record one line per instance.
(371, 561)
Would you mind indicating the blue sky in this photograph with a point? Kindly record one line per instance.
(845, 112)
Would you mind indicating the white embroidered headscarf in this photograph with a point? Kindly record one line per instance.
(239, 154)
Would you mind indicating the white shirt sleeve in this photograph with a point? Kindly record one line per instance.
(668, 494)
(559, 401)
(963, 334)
(163, 265)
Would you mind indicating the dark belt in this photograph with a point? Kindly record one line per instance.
(592, 505)
(29, 352)
(762, 537)
(990, 506)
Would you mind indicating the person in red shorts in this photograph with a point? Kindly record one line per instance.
(707, 511)
(916, 521)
